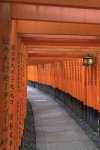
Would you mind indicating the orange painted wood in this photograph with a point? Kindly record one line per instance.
(52, 28)
(13, 83)
(5, 31)
(76, 3)
(55, 14)
(70, 76)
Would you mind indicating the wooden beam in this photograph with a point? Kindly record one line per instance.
(57, 55)
(59, 50)
(55, 14)
(61, 53)
(56, 59)
(45, 61)
(61, 42)
(67, 52)
(38, 63)
(52, 28)
(36, 55)
(38, 47)
(38, 36)
(48, 60)
(72, 3)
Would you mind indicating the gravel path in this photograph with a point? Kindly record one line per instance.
(29, 138)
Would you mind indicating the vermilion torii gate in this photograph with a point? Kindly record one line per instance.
(52, 40)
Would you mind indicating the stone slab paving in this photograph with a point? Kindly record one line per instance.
(55, 129)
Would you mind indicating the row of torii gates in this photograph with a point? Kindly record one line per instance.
(45, 42)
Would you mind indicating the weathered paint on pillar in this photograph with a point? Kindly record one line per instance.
(13, 89)
(13, 82)
(5, 33)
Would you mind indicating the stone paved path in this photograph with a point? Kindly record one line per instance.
(55, 129)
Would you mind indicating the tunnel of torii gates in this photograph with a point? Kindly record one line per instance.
(44, 41)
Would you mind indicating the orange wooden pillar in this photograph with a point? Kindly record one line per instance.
(77, 79)
(68, 82)
(63, 76)
(5, 31)
(72, 78)
(13, 90)
(31, 73)
(24, 87)
(10, 75)
(21, 104)
(80, 98)
(19, 94)
(82, 83)
(66, 76)
(55, 73)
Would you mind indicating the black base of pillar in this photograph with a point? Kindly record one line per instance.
(95, 120)
(84, 112)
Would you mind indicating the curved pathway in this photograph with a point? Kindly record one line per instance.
(55, 129)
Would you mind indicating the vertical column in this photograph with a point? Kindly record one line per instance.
(5, 31)
(13, 90)
(66, 76)
(21, 104)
